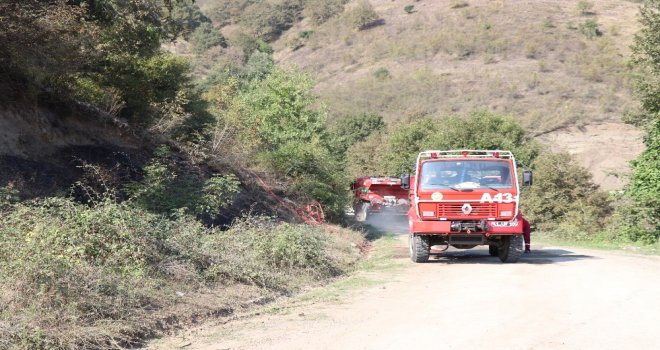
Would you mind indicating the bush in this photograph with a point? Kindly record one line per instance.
(258, 66)
(260, 251)
(145, 82)
(409, 9)
(644, 187)
(75, 276)
(9, 195)
(267, 21)
(206, 37)
(585, 7)
(366, 157)
(479, 130)
(276, 119)
(279, 110)
(363, 15)
(84, 277)
(225, 12)
(590, 29)
(319, 11)
(457, 4)
(186, 17)
(382, 73)
(250, 44)
(164, 189)
(350, 130)
(565, 194)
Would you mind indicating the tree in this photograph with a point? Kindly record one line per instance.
(348, 131)
(206, 37)
(644, 187)
(363, 16)
(279, 125)
(564, 192)
(186, 17)
(106, 53)
(479, 130)
(322, 10)
(278, 110)
(267, 21)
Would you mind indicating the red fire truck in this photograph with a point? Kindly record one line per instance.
(378, 194)
(465, 198)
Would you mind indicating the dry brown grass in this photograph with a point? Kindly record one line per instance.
(514, 57)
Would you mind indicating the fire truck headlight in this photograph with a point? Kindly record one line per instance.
(506, 213)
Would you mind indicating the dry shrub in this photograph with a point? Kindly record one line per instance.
(106, 276)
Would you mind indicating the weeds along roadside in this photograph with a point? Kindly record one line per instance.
(110, 274)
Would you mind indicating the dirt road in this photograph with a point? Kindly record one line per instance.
(551, 299)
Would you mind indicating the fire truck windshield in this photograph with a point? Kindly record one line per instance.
(469, 173)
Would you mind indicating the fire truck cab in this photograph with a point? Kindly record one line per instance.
(465, 198)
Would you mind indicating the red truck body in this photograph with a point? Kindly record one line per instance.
(465, 198)
(378, 194)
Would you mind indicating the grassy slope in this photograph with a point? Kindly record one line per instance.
(524, 58)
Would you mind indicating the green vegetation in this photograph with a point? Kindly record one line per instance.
(225, 12)
(382, 73)
(104, 276)
(457, 4)
(394, 152)
(166, 188)
(321, 11)
(267, 21)
(564, 201)
(590, 29)
(186, 17)
(362, 16)
(641, 217)
(111, 263)
(351, 130)
(409, 9)
(206, 37)
(107, 264)
(585, 7)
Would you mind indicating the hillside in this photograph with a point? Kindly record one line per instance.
(533, 60)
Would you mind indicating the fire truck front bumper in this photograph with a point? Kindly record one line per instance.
(445, 227)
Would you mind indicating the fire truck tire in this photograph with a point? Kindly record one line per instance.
(511, 248)
(493, 250)
(419, 248)
(361, 214)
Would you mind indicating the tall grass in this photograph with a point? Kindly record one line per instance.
(106, 276)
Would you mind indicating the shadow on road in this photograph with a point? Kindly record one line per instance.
(380, 225)
(481, 256)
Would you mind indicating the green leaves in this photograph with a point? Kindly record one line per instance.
(279, 109)
(206, 37)
(563, 191)
(167, 188)
(644, 187)
(395, 153)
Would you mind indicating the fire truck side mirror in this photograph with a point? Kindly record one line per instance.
(405, 181)
(528, 178)
(353, 185)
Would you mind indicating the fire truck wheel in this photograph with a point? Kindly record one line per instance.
(493, 250)
(361, 214)
(419, 248)
(511, 248)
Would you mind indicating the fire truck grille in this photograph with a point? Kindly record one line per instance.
(455, 210)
